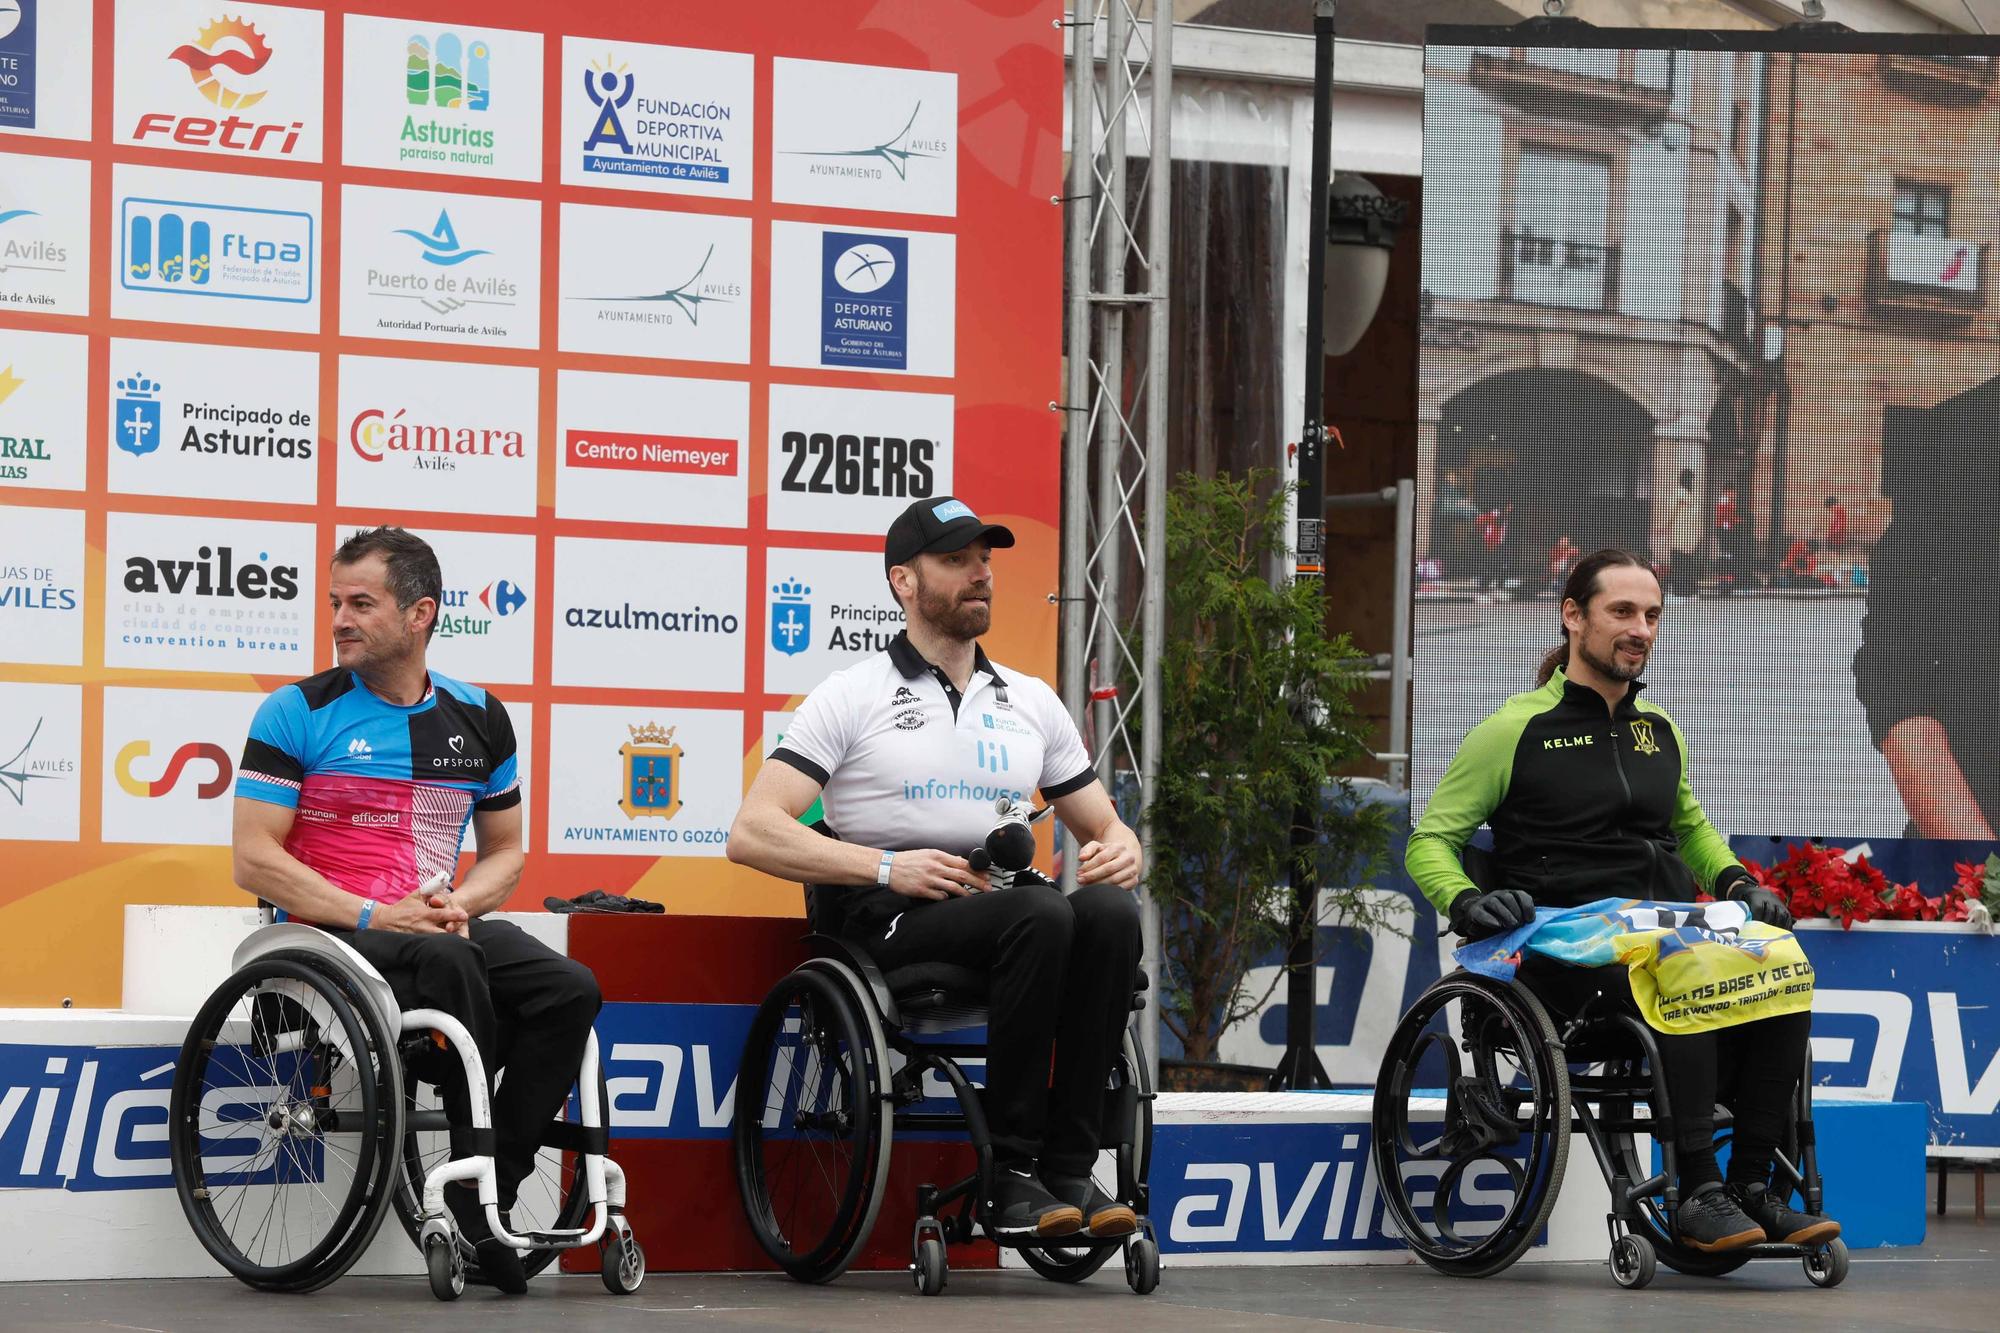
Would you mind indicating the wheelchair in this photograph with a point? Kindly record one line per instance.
(298, 1121)
(1478, 1096)
(836, 1062)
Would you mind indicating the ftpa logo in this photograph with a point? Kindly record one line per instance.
(229, 63)
(181, 248)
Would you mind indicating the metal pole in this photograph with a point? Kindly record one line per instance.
(1159, 241)
(1075, 618)
(1113, 252)
(1300, 1066)
(1399, 651)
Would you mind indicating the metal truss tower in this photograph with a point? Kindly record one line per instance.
(1115, 412)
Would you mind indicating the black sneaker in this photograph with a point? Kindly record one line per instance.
(1104, 1218)
(1020, 1207)
(1782, 1223)
(498, 1266)
(1709, 1220)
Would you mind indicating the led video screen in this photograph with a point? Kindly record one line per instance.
(1724, 300)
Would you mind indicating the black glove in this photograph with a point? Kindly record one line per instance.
(1477, 915)
(1764, 905)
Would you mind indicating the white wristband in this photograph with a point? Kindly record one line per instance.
(882, 870)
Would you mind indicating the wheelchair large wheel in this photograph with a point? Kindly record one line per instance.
(1128, 1136)
(285, 1099)
(1472, 1103)
(555, 1196)
(812, 1127)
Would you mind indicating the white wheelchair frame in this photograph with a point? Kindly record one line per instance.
(604, 1179)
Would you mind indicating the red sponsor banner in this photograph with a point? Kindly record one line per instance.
(627, 452)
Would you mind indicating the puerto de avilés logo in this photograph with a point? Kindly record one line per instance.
(136, 416)
(791, 617)
(895, 152)
(440, 244)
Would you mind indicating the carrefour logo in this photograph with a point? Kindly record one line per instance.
(183, 248)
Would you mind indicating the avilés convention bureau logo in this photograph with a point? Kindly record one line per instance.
(183, 248)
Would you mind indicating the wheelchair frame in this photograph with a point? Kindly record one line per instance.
(1603, 1108)
(949, 1213)
(294, 944)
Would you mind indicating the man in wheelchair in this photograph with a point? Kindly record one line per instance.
(351, 805)
(908, 752)
(1585, 786)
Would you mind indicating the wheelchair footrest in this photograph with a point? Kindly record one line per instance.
(554, 1240)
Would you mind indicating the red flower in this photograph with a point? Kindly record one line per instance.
(1952, 906)
(1908, 903)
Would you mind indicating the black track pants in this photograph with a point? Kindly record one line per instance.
(1062, 971)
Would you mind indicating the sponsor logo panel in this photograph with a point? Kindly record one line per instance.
(199, 248)
(238, 79)
(486, 626)
(649, 615)
(437, 435)
(825, 610)
(45, 74)
(646, 283)
(18, 64)
(850, 460)
(170, 763)
(864, 137)
(41, 586)
(439, 98)
(641, 781)
(41, 761)
(643, 117)
(43, 383)
(225, 423)
(44, 235)
(862, 299)
(209, 594)
(463, 269)
(647, 449)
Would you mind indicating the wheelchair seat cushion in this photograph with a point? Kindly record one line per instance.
(957, 984)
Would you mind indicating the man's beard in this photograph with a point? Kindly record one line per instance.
(1610, 667)
(964, 621)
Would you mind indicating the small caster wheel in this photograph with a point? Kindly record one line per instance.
(447, 1270)
(1142, 1265)
(1633, 1262)
(1827, 1267)
(624, 1264)
(928, 1271)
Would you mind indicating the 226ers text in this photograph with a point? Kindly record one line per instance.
(823, 463)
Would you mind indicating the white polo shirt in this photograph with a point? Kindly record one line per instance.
(904, 761)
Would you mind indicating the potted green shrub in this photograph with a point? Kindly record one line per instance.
(1257, 715)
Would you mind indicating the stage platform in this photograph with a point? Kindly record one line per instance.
(1947, 1283)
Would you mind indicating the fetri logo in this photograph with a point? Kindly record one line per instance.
(227, 62)
(377, 435)
(144, 788)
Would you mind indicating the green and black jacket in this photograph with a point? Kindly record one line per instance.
(1584, 804)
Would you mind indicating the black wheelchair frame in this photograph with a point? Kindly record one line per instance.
(893, 1010)
(1486, 1110)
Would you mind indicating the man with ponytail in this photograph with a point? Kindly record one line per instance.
(1585, 786)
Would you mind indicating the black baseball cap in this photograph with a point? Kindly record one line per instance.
(938, 525)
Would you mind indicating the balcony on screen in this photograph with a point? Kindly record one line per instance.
(1552, 270)
(1588, 84)
(1955, 80)
(1925, 279)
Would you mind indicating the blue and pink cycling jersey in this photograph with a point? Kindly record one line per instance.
(383, 792)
